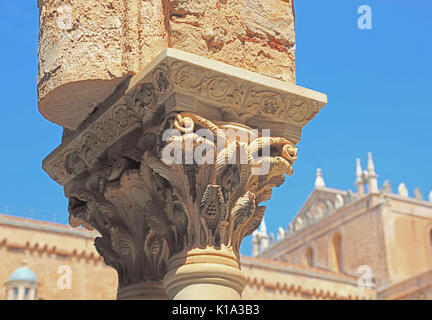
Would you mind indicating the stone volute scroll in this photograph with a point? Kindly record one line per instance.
(173, 170)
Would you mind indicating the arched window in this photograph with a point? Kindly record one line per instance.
(309, 257)
(336, 253)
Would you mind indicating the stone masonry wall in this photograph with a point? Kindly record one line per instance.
(45, 252)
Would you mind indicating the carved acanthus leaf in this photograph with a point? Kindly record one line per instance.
(148, 209)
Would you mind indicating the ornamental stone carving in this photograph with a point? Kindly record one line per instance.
(219, 91)
(173, 171)
(148, 210)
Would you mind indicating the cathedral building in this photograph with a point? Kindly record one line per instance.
(371, 244)
(383, 239)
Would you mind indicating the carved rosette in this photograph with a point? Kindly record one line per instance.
(148, 209)
(245, 101)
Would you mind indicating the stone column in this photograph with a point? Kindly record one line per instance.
(219, 201)
(144, 290)
(180, 117)
(9, 293)
(172, 172)
(21, 293)
(32, 295)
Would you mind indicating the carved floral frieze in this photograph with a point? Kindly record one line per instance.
(238, 100)
(241, 100)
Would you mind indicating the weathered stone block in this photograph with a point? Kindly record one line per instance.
(87, 48)
(257, 35)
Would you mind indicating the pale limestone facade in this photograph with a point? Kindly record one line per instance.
(278, 280)
(340, 231)
(46, 247)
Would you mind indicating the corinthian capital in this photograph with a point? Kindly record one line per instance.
(172, 171)
(211, 191)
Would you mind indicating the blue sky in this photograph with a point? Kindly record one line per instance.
(378, 82)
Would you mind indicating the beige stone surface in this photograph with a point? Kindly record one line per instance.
(415, 288)
(393, 239)
(45, 247)
(86, 48)
(390, 234)
(206, 274)
(407, 228)
(277, 280)
(352, 224)
(400, 257)
(257, 35)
